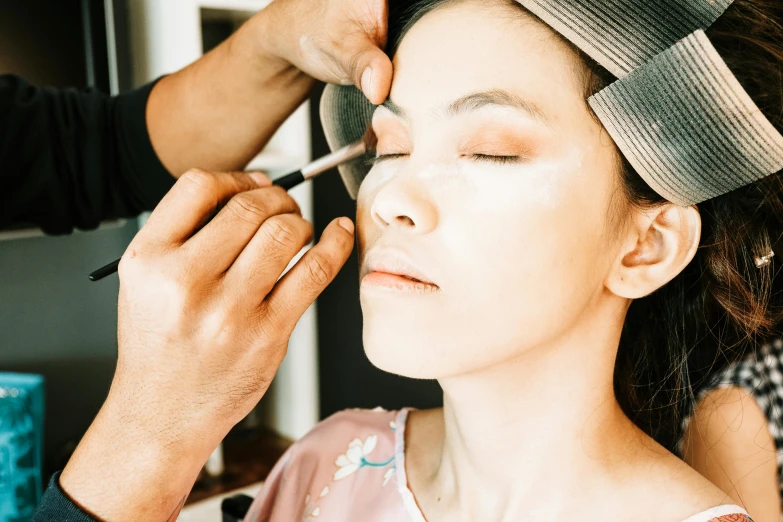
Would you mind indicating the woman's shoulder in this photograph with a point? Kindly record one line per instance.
(663, 487)
(751, 385)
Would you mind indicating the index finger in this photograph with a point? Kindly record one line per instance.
(192, 200)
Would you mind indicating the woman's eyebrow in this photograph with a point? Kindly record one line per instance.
(500, 98)
(478, 100)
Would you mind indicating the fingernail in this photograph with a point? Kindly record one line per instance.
(367, 81)
(260, 178)
(346, 223)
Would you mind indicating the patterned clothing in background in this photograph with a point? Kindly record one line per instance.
(761, 375)
(351, 468)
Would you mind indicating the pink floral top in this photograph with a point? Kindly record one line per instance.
(351, 468)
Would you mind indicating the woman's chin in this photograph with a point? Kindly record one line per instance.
(402, 366)
(408, 352)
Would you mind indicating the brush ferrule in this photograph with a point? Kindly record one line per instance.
(338, 157)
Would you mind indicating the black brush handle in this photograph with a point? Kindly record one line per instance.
(287, 182)
(105, 270)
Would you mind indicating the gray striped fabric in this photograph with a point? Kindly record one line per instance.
(687, 126)
(345, 116)
(622, 35)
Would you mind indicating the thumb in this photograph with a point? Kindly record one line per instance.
(371, 71)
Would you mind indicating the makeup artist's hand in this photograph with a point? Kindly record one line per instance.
(219, 111)
(203, 326)
(336, 41)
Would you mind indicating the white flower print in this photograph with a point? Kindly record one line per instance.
(389, 474)
(311, 510)
(354, 458)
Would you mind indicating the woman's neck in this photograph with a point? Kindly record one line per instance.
(529, 431)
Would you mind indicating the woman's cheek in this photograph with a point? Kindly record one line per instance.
(510, 191)
(378, 175)
(542, 185)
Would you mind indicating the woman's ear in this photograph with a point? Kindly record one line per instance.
(657, 246)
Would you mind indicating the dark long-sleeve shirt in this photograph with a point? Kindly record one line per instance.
(56, 506)
(70, 159)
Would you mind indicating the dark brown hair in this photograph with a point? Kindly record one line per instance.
(721, 305)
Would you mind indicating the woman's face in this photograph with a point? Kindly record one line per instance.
(495, 184)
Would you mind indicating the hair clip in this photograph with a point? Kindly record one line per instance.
(762, 261)
(766, 259)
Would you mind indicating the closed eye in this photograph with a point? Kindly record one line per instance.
(385, 157)
(474, 157)
(494, 159)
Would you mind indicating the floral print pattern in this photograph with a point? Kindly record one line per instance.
(355, 457)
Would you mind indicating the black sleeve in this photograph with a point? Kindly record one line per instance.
(57, 507)
(70, 158)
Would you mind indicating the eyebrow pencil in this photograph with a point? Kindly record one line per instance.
(288, 181)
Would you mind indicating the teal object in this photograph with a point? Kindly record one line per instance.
(21, 442)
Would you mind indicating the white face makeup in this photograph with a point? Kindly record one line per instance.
(494, 183)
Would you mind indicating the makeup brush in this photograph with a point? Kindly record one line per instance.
(289, 181)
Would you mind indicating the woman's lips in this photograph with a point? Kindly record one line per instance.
(391, 269)
(397, 282)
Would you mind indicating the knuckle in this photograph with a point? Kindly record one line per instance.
(200, 184)
(273, 326)
(281, 232)
(127, 269)
(318, 268)
(248, 208)
(134, 262)
(198, 180)
(308, 231)
(284, 198)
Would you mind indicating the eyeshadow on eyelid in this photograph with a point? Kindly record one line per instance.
(501, 147)
(391, 143)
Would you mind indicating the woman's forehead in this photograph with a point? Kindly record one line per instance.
(467, 48)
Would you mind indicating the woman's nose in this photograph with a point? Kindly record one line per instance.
(403, 203)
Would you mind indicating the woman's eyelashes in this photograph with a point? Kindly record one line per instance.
(493, 158)
(385, 157)
(478, 157)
